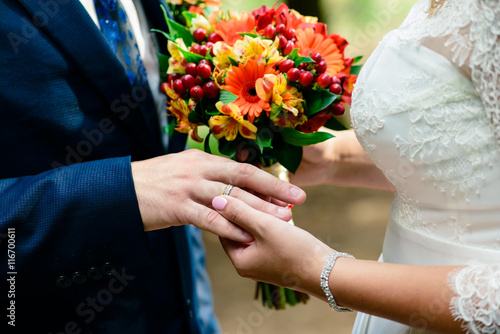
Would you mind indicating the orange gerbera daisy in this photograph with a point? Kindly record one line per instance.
(241, 82)
(310, 41)
(229, 29)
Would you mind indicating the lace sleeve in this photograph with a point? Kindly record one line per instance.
(476, 300)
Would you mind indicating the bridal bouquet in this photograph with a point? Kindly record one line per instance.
(263, 82)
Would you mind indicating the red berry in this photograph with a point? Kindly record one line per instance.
(317, 57)
(293, 74)
(280, 28)
(191, 69)
(283, 41)
(204, 61)
(335, 80)
(214, 37)
(198, 81)
(173, 77)
(203, 50)
(179, 87)
(200, 34)
(269, 31)
(338, 109)
(211, 90)
(196, 92)
(335, 89)
(321, 67)
(209, 44)
(286, 65)
(323, 80)
(195, 48)
(290, 33)
(205, 71)
(188, 81)
(289, 48)
(306, 78)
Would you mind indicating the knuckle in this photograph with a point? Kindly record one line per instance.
(246, 170)
(211, 217)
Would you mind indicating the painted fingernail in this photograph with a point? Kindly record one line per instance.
(219, 203)
(296, 192)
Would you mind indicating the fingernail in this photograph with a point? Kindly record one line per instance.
(219, 203)
(296, 192)
(282, 211)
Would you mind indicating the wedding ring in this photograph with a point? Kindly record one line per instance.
(227, 190)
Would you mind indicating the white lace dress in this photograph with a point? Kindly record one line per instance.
(426, 110)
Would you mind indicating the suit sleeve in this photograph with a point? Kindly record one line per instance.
(70, 219)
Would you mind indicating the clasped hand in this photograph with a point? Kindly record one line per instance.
(177, 189)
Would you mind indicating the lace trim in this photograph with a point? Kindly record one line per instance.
(476, 300)
(471, 29)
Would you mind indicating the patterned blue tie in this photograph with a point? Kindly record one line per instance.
(117, 29)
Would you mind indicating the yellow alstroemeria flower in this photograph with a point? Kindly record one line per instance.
(199, 21)
(275, 89)
(222, 54)
(231, 123)
(262, 50)
(176, 63)
(180, 110)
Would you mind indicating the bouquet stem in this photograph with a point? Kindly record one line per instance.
(274, 296)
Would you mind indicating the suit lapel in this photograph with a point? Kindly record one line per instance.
(70, 27)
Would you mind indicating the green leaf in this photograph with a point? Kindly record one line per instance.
(356, 69)
(275, 110)
(289, 156)
(233, 62)
(188, 17)
(195, 117)
(190, 57)
(228, 148)
(318, 100)
(294, 55)
(164, 10)
(334, 124)
(259, 143)
(167, 36)
(357, 59)
(227, 97)
(265, 137)
(177, 30)
(206, 144)
(163, 62)
(243, 34)
(170, 128)
(297, 138)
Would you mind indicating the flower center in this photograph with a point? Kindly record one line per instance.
(249, 93)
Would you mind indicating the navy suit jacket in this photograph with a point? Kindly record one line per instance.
(69, 128)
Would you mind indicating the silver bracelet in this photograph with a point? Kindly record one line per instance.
(325, 274)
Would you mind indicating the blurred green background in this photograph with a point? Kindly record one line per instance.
(350, 220)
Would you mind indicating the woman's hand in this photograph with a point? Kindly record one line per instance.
(319, 163)
(339, 161)
(281, 254)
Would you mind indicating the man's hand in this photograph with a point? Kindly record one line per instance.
(177, 189)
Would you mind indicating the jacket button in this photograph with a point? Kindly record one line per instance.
(94, 273)
(63, 281)
(108, 269)
(78, 278)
